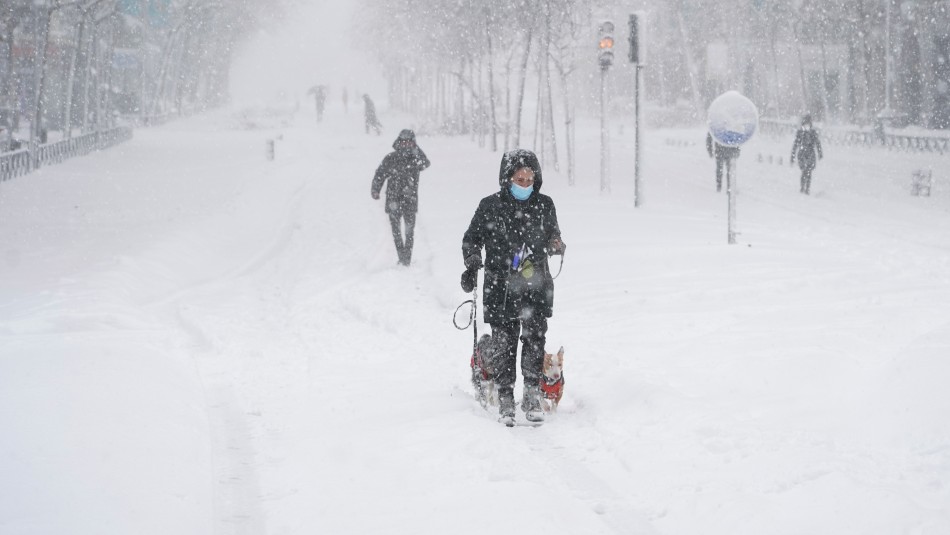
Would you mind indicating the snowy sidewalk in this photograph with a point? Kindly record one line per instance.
(196, 340)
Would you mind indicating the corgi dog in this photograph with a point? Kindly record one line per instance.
(552, 380)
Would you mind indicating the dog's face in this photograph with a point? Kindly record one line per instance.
(553, 365)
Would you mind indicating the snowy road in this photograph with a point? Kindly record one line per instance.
(195, 340)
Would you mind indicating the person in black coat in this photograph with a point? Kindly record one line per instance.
(400, 170)
(319, 93)
(369, 115)
(722, 154)
(518, 229)
(807, 148)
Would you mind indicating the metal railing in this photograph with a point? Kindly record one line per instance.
(863, 137)
(23, 161)
(13, 164)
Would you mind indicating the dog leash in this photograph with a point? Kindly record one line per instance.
(561, 267)
(472, 317)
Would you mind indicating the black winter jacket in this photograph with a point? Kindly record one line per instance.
(504, 226)
(720, 151)
(400, 171)
(807, 148)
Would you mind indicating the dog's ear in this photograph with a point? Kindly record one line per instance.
(560, 352)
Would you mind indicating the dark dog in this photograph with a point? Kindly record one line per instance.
(482, 376)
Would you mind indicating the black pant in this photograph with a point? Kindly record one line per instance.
(806, 180)
(403, 245)
(721, 164)
(505, 351)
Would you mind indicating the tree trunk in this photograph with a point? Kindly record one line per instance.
(90, 60)
(824, 83)
(690, 63)
(548, 100)
(801, 68)
(539, 114)
(8, 84)
(42, 42)
(71, 79)
(568, 126)
(491, 87)
(519, 100)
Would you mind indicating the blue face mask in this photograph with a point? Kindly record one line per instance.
(520, 193)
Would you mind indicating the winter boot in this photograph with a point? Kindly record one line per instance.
(531, 403)
(506, 405)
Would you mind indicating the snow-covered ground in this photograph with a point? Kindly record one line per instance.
(194, 340)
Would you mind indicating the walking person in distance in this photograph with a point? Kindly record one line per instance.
(723, 154)
(400, 170)
(807, 148)
(369, 116)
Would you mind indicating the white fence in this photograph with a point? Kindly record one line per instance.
(937, 143)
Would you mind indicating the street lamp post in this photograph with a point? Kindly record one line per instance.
(605, 43)
(888, 67)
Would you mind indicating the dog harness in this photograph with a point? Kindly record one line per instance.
(552, 390)
(477, 364)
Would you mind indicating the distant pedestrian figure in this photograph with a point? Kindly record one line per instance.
(346, 101)
(400, 171)
(722, 154)
(369, 115)
(319, 93)
(807, 148)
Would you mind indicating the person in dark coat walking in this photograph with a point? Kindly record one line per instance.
(319, 93)
(400, 170)
(722, 154)
(807, 148)
(518, 229)
(369, 115)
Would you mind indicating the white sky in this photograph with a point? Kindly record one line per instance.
(313, 45)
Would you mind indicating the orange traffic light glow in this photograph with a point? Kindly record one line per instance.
(606, 42)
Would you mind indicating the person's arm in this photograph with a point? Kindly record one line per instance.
(421, 159)
(555, 245)
(818, 146)
(379, 178)
(472, 242)
(798, 138)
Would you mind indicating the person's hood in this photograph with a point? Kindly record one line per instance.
(404, 135)
(513, 160)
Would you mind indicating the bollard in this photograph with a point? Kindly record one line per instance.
(270, 150)
(921, 182)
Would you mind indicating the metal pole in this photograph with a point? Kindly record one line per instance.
(604, 136)
(887, 55)
(637, 145)
(732, 190)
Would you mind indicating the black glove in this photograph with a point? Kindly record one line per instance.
(556, 247)
(469, 279)
(473, 262)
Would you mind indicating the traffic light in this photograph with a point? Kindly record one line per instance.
(634, 38)
(606, 44)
